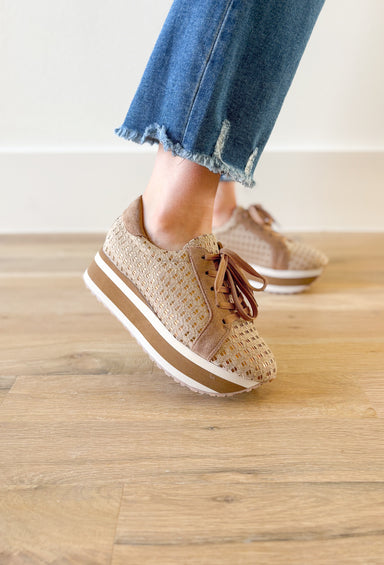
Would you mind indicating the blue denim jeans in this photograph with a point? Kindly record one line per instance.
(217, 78)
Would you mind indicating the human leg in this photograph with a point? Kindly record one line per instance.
(225, 203)
(193, 309)
(210, 94)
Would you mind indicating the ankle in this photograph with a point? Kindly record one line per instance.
(225, 203)
(222, 216)
(171, 228)
(178, 201)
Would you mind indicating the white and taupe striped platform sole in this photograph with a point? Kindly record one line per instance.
(123, 299)
(285, 281)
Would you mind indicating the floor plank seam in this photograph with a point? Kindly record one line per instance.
(117, 523)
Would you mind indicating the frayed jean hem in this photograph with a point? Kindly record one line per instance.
(157, 134)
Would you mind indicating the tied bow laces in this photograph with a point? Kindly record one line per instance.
(230, 279)
(260, 215)
(264, 218)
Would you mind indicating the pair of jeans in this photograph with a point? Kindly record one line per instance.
(217, 78)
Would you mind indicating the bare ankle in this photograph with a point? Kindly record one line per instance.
(225, 203)
(221, 217)
(165, 233)
(178, 201)
(171, 227)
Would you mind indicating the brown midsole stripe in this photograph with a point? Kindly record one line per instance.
(287, 282)
(166, 351)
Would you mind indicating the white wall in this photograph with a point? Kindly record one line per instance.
(71, 67)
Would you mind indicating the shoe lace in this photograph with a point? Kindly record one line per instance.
(265, 219)
(260, 215)
(230, 281)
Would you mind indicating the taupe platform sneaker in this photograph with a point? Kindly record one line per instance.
(288, 266)
(192, 310)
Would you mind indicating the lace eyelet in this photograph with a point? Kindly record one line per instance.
(224, 322)
(212, 288)
(206, 272)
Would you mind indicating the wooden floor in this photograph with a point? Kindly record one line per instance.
(105, 460)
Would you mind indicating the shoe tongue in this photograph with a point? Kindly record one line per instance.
(208, 241)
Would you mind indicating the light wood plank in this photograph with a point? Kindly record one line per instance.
(47, 253)
(106, 451)
(189, 517)
(59, 524)
(115, 396)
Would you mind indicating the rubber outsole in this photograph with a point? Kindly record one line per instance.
(285, 281)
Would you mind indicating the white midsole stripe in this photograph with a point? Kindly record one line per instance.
(283, 288)
(162, 330)
(141, 339)
(286, 274)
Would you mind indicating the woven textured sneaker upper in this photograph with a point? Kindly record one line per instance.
(288, 266)
(192, 310)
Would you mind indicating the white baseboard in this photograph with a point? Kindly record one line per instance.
(83, 191)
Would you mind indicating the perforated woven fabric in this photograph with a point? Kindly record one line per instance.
(305, 257)
(207, 241)
(165, 278)
(244, 352)
(237, 236)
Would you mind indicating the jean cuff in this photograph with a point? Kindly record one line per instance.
(155, 133)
